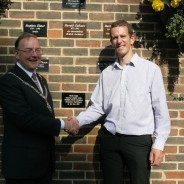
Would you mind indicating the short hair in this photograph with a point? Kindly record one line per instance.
(22, 36)
(120, 23)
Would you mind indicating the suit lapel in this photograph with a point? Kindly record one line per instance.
(23, 75)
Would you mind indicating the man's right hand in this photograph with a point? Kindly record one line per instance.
(71, 125)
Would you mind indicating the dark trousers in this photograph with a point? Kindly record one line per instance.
(131, 150)
(46, 179)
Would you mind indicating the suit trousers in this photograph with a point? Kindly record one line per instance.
(131, 150)
(46, 179)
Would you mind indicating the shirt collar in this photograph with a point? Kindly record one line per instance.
(133, 61)
(27, 72)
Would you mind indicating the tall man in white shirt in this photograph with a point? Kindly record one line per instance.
(131, 94)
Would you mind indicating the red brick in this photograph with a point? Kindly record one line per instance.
(175, 175)
(54, 33)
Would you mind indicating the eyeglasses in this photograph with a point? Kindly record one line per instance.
(31, 52)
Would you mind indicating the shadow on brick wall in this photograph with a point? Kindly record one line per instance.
(150, 33)
(73, 166)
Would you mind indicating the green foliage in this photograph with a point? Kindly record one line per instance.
(167, 2)
(4, 5)
(175, 27)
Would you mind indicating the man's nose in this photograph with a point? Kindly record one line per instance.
(119, 39)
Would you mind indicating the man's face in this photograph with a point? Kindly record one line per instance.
(29, 60)
(121, 40)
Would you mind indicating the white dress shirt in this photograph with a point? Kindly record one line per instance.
(133, 99)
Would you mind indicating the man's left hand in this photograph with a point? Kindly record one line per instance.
(156, 157)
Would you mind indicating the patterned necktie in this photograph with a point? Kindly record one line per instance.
(34, 78)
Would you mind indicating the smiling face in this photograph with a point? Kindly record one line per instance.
(122, 41)
(29, 61)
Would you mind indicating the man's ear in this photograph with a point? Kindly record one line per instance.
(110, 40)
(16, 55)
(132, 38)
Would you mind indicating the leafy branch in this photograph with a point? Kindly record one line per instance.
(4, 5)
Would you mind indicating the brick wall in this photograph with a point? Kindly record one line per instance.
(73, 69)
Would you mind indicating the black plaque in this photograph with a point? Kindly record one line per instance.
(101, 65)
(74, 4)
(37, 28)
(73, 100)
(74, 30)
(43, 66)
(106, 30)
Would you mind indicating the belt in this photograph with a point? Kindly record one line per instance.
(105, 131)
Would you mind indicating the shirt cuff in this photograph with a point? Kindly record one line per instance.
(158, 144)
(79, 119)
(62, 124)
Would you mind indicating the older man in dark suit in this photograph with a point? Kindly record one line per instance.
(29, 123)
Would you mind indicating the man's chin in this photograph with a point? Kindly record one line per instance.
(32, 68)
(121, 50)
(121, 53)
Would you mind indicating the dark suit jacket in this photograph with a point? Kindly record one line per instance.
(29, 127)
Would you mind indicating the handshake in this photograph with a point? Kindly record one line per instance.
(71, 125)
